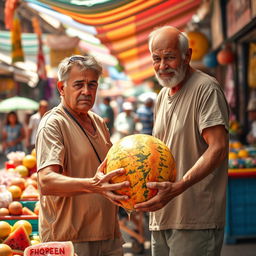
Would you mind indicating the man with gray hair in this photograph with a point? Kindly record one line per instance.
(71, 145)
(191, 117)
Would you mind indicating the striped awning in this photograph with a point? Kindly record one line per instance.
(121, 27)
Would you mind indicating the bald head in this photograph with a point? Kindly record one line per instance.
(168, 36)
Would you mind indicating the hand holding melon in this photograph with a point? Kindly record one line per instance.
(145, 159)
(101, 183)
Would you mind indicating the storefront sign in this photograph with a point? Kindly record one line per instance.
(238, 15)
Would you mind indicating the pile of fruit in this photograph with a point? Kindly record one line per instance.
(241, 156)
(19, 205)
(15, 239)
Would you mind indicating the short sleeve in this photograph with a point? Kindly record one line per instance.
(213, 110)
(49, 146)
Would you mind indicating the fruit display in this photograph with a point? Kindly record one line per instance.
(19, 205)
(145, 159)
(240, 156)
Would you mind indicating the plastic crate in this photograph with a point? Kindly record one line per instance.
(32, 219)
(240, 209)
(30, 204)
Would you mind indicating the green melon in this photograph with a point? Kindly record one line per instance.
(145, 159)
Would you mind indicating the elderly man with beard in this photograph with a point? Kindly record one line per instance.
(76, 198)
(191, 116)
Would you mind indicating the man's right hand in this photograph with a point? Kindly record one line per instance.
(101, 183)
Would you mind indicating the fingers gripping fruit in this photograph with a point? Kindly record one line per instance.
(144, 158)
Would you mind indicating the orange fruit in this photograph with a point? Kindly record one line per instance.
(15, 190)
(33, 152)
(22, 170)
(243, 153)
(4, 212)
(5, 229)
(29, 161)
(236, 145)
(15, 208)
(232, 155)
(20, 182)
(5, 250)
(26, 225)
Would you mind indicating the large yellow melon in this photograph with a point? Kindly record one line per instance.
(145, 159)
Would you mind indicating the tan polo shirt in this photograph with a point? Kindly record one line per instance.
(179, 122)
(85, 217)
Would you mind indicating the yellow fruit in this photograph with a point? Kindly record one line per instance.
(26, 225)
(5, 229)
(236, 145)
(22, 170)
(16, 191)
(5, 250)
(232, 155)
(4, 212)
(33, 242)
(33, 152)
(243, 153)
(29, 161)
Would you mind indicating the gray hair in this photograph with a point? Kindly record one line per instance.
(84, 62)
(183, 40)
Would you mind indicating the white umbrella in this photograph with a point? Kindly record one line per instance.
(18, 103)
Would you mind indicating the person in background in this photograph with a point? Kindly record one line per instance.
(76, 198)
(107, 113)
(125, 121)
(145, 116)
(13, 134)
(187, 216)
(33, 124)
(251, 109)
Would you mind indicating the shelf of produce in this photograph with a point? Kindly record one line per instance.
(245, 172)
(32, 219)
(241, 205)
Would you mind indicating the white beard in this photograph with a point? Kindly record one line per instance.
(171, 82)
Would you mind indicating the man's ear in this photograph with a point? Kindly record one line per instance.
(60, 86)
(188, 56)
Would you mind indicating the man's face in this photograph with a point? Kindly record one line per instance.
(80, 90)
(169, 66)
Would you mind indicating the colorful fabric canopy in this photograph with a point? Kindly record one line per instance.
(123, 26)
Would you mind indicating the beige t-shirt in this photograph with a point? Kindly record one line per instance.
(85, 217)
(179, 122)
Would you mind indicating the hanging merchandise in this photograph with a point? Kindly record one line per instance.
(199, 44)
(225, 56)
(41, 70)
(17, 51)
(210, 60)
(252, 65)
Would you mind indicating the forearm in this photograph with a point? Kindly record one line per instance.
(206, 164)
(52, 183)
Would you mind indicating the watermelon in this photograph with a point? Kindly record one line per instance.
(50, 249)
(26, 211)
(30, 192)
(18, 240)
(145, 159)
